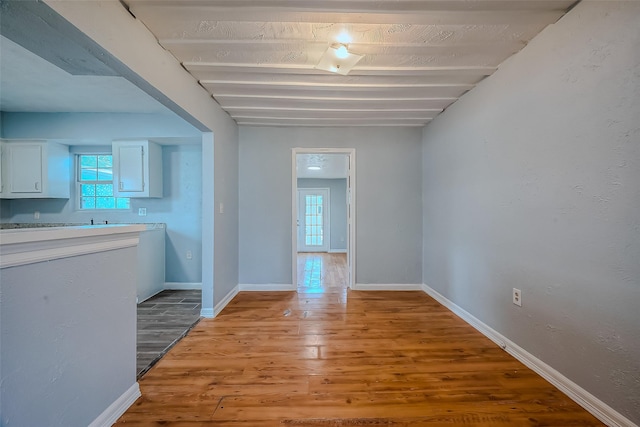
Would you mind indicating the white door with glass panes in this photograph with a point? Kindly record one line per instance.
(313, 220)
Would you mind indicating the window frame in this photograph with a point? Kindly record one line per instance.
(79, 183)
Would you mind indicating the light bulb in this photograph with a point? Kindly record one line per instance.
(342, 52)
(344, 38)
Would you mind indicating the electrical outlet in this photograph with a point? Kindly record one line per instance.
(189, 255)
(142, 211)
(517, 297)
(221, 207)
(36, 215)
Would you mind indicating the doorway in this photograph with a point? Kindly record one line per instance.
(314, 206)
(323, 216)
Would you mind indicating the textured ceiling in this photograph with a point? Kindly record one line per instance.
(29, 83)
(257, 57)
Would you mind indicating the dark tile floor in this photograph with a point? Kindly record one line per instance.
(162, 321)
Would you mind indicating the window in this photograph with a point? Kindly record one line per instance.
(95, 183)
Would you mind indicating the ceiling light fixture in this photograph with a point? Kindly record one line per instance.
(338, 59)
(314, 168)
(344, 38)
(342, 52)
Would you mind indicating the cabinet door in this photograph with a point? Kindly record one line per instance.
(25, 173)
(131, 168)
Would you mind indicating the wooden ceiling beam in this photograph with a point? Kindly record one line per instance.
(365, 5)
(480, 70)
(156, 13)
(228, 103)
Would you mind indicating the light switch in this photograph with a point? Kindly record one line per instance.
(221, 207)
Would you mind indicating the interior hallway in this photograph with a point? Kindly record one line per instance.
(322, 272)
(328, 356)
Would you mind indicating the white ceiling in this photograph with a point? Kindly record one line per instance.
(257, 57)
(29, 83)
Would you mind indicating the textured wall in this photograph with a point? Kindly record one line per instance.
(388, 198)
(532, 181)
(68, 333)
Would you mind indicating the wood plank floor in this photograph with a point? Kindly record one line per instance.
(326, 356)
(322, 272)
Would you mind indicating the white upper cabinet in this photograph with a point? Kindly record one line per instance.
(137, 169)
(25, 173)
(35, 169)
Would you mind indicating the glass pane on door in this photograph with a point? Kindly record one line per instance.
(313, 220)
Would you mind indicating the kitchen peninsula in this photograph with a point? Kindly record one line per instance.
(68, 324)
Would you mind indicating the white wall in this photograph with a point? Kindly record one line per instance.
(180, 207)
(389, 225)
(532, 181)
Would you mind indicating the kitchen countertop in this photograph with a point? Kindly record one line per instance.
(22, 225)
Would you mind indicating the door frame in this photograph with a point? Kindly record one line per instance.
(326, 215)
(351, 209)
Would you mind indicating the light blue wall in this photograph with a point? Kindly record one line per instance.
(531, 181)
(68, 340)
(389, 201)
(94, 128)
(338, 208)
(219, 229)
(225, 170)
(180, 208)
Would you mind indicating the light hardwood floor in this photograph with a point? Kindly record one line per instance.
(325, 356)
(322, 272)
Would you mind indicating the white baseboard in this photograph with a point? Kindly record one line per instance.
(110, 415)
(337, 251)
(582, 397)
(226, 300)
(207, 313)
(266, 287)
(182, 286)
(387, 287)
(138, 301)
(213, 312)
